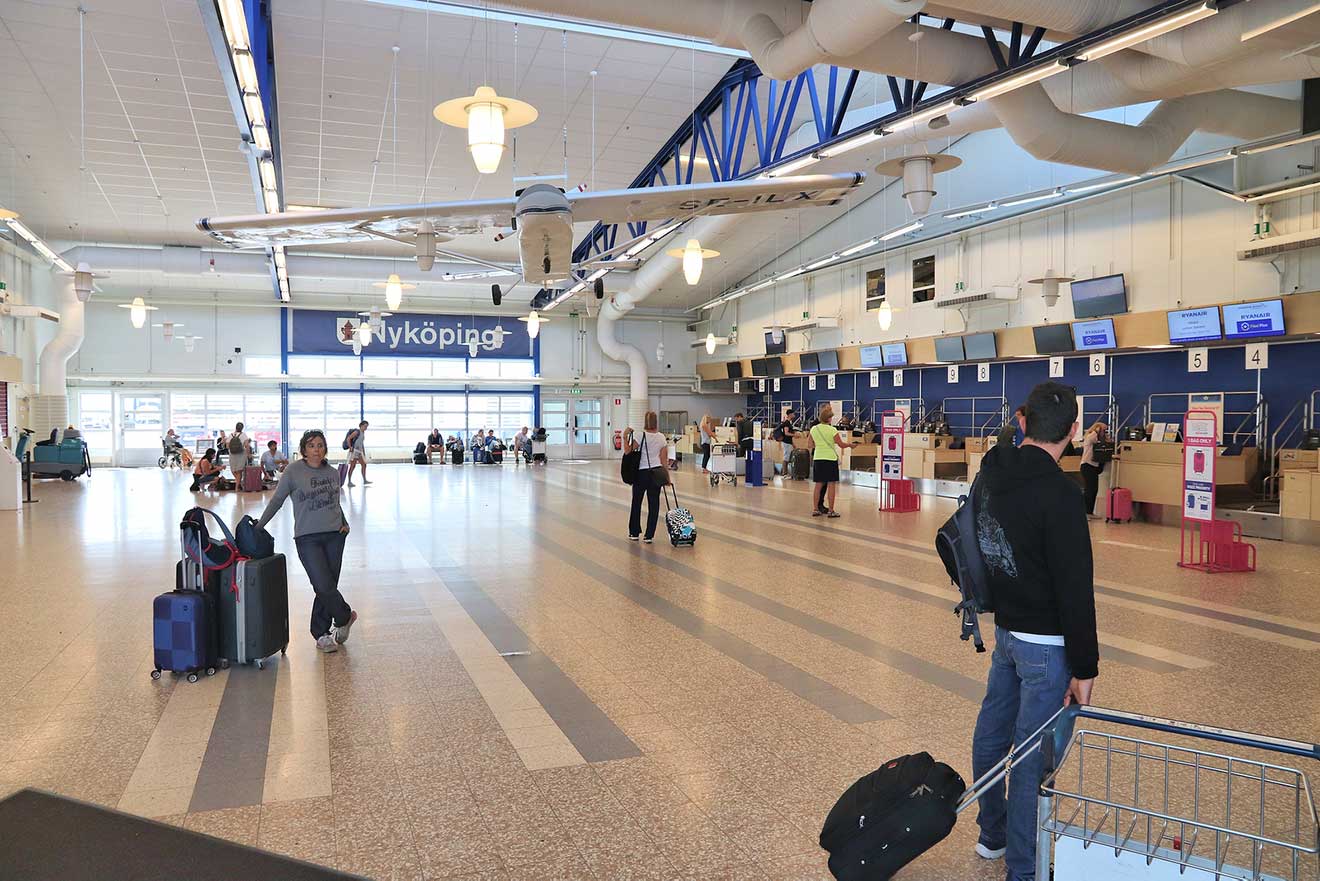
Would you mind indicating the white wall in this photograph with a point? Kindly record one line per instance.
(1174, 240)
(113, 347)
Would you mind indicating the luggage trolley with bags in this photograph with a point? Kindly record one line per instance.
(1108, 806)
(723, 464)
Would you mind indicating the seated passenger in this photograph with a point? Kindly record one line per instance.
(205, 472)
(272, 460)
(522, 446)
(479, 446)
(435, 443)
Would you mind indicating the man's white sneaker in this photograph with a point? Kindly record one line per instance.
(987, 853)
(341, 633)
(327, 643)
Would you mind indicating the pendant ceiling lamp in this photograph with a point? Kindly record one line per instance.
(137, 311)
(692, 255)
(189, 342)
(710, 344)
(885, 315)
(364, 333)
(918, 174)
(167, 329)
(486, 116)
(534, 322)
(394, 288)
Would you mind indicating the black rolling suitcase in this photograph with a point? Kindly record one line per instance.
(800, 464)
(890, 817)
(456, 455)
(254, 610)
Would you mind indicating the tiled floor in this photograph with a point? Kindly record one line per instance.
(529, 695)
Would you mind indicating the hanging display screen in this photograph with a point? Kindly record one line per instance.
(828, 360)
(1093, 297)
(873, 356)
(1089, 336)
(895, 354)
(949, 348)
(1053, 339)
(980, 347)
(735, 369)
(810, 363)
(1194, 325)
(1247, 320)
(775, 348)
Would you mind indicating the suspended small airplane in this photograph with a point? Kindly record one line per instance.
(542, 215)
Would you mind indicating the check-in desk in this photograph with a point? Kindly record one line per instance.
(928, 457)
(1154, 471)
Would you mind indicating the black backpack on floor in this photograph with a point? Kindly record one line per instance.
(961, 553)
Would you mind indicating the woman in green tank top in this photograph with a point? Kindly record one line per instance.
(825, 444)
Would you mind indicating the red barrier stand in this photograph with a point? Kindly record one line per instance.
(1207, 544)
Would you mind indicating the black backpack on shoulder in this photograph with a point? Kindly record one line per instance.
(958, 548)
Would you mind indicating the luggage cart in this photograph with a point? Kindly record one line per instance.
(1116, 805)
(723, 464)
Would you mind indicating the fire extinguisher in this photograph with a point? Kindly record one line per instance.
(618, 440)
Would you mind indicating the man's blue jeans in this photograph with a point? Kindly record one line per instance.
(1026, 687)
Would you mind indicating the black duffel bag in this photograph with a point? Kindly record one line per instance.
(629, 465)
(890, 817)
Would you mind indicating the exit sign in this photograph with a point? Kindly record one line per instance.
(576, 391)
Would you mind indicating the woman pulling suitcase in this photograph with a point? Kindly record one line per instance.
(319, 532)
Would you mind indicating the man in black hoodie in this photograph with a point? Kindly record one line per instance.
(1032, 530)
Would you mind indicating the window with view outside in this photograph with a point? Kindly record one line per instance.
(875, 288)
(923, 279)
(96, 419)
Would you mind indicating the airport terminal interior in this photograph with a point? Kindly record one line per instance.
(546, 440)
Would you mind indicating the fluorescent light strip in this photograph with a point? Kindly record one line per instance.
(599, 273)
(1278, 194)
(902, 230)
(256, 112)
(859, 247)
(246, 69)
(234, 20)
(792, 273)
(1266, 146)
(822, 262)
(1279, 22)
(968, 212)
(852, 143)
(1150, 31)
(1026, 78)
(39, 244)
(1189, 164)
(557, 24)
(267, 169)
(1027, 200)
(796, 165)
(271, 200)
(1072, 191)
(261, 138)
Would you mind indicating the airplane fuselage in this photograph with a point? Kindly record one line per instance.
(545, 235)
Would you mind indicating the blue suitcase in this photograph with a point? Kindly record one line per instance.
(183, 630)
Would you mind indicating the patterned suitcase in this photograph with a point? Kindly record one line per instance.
(184, 623)
(679, 522)
(254, 610)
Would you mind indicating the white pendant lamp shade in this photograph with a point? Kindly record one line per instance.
(1049, 285)
(394, 288)
(364, 333)
(534, 322)
(918, 174)
(885, 315)
(692, 255)
(137, 310)
(84, 281)
(710, 344)
(486, 115)
(167, 329)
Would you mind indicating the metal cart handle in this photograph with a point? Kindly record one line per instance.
(1056, 740)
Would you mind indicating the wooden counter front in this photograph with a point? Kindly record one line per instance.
(1153, 471)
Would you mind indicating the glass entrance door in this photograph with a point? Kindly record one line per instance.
(141, 426)
(587, 428)
(555, 419)
(573, 427)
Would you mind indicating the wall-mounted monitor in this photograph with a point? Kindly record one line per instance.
(895, 354)
(774, 366)
(1194, 325)
(775, 348)
(810, 363)
(980, 347)
(948, 348)
(1053, 339)
(828, 360)
(873, 356)
(735, 369)
(1250, 320)
(1090, 336)
(1093, 297)
(759, 367)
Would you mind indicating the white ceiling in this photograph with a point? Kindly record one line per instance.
(150, 73)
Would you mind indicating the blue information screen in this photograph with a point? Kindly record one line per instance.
(895, 354)
(872, 356)
(1194, 325)
(1091, 335)
(1253, 320)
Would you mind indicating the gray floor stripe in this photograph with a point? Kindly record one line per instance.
(1130, 658)
(585, 725)
(950, 681)
(234, 767)
(807, 686)
(1245, 619)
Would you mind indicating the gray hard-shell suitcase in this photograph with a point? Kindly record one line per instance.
(254, 610)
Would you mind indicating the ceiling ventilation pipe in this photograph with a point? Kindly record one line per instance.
(1036, 125)
(833, 28)
(50, 408)
(647, 279)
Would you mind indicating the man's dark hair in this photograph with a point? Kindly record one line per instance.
(362, 424)
(1020, 411)
(272, 443)
(737, 416)
(792, 412)
(1051, 410)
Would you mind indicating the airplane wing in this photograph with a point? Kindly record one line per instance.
(728, 197)
(334, 225)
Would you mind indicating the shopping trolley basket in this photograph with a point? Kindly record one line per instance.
(723, 464)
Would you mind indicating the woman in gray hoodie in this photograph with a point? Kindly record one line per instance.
(319, 531)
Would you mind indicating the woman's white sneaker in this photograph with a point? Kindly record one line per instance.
(341, 633)
(327, 643)
(987, 853)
